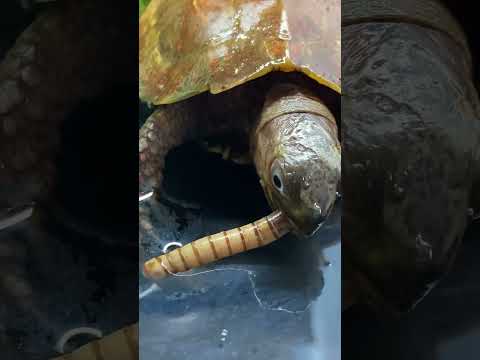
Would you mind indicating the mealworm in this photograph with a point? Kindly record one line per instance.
(221, 245)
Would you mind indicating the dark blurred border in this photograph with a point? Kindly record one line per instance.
(98, 177)
(446, 324)
(466, 12)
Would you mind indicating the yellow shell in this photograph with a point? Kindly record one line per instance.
(191, 46)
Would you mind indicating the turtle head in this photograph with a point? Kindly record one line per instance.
(297, 155)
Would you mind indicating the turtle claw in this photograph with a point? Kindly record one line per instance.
(242, 159)
(179, 203)
(228, 154)
(145, 191)
(142, 196)
(222, 150)
(148, 185)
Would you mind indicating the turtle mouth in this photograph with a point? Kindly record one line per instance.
(306, 223)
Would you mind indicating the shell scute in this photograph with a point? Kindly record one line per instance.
(191, 46)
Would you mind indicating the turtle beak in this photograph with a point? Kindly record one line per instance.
(306, 218)
(307, 221)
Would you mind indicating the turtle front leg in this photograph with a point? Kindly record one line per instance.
(168, 127)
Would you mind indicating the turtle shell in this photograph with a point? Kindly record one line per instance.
(191, 46)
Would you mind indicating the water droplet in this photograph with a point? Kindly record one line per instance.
(224, 335)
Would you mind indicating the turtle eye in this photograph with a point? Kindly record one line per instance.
(277, 177)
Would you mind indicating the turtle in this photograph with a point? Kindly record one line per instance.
(411, 152)
(268, 71)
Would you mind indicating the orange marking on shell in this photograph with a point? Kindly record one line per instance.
(230, 32)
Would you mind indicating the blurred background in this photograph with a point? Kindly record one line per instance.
(78, 254)
(446, 324)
